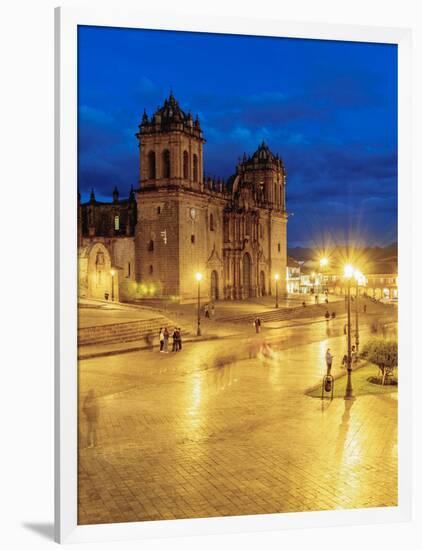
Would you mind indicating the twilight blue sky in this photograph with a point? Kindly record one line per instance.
(328, 108)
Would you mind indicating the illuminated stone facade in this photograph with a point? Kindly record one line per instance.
(233, 232)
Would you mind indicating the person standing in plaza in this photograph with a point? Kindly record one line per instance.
(179, 339)
(257, 324)
(166, 341)
(175, 343)
(161, 338)
(328, 361)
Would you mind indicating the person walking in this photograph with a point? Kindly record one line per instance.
(179, 339)
(161, 338)
(333, 315)
(91, 411)
(166, 341)
(327, 315)
(212, 310)
(328, 361)
(207, 311)
(364, 308)
(257, 324)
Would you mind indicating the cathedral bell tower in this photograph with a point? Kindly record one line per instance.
(170, 145)
(170, 236)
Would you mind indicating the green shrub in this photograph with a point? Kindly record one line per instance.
(383, 353)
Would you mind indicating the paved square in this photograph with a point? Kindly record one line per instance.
(212, 432)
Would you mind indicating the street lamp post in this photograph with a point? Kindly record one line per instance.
(112, 272)
(276, 277)
(348, 274)
(360, 280)
(198, 277)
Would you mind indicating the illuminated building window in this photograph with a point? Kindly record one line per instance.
(116, 223)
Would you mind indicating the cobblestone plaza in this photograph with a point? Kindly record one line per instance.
(211, 432)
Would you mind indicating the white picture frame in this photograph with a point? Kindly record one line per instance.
(66, 23)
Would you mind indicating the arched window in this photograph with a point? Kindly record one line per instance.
(211, 222)
(151, 165)
(116, 223)
(166, 163)
(185, 165)
(195, 167)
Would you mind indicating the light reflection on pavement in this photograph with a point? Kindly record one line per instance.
(214, 431)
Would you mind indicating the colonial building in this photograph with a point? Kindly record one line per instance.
(232, 232)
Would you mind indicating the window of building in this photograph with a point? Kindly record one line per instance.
(128, 269)
(211, 222)
(151, 246)
(151, 270)
(158, 209)
(192, 239)
(151, 165)
(166, 163)
(279, 247)
(116, 223)
(195, 167)
(185, 165)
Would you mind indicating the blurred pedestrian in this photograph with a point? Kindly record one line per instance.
(327, 315)
(91, 410)
(257, 324)
(179, 339)
(329, 361)
(333, 315)
(207, 311)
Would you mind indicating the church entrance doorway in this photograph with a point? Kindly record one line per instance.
(214, 286)
(247, 272)
(262, 283)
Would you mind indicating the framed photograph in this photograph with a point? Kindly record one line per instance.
(232, 215)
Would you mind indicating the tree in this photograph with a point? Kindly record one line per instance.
(384, 353)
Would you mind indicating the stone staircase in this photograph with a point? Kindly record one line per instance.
(281, 314)
(123, 332)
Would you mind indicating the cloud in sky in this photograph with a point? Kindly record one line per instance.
(328, 108)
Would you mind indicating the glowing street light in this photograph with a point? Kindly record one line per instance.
(348, 275)
(198, 277)
(112, 273)
(323, 264)
(276, 277)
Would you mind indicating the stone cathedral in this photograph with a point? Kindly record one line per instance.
(178, 222)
